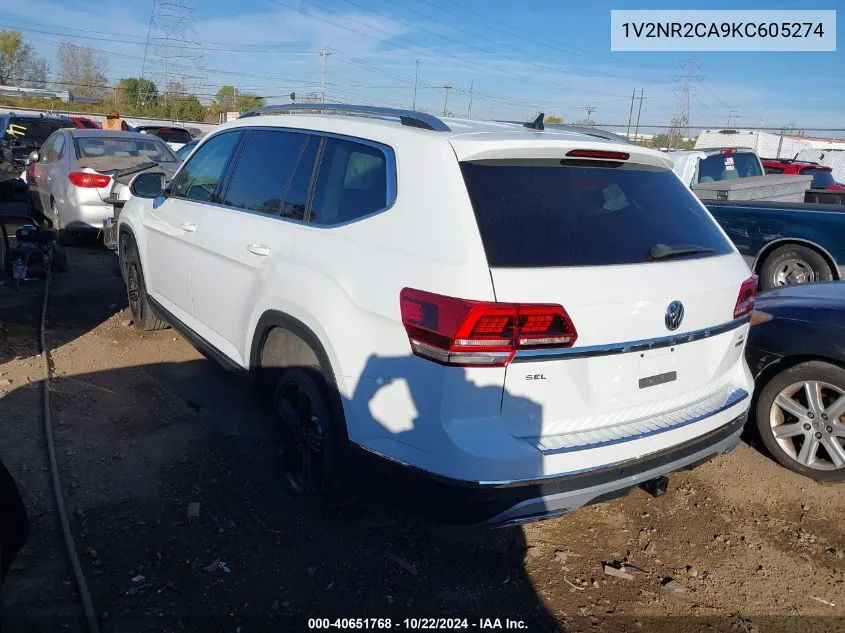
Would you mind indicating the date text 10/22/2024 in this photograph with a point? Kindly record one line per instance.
(417, 624)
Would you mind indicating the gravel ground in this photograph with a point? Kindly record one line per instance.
(145, 427)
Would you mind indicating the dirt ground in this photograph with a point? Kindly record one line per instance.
(145, 426)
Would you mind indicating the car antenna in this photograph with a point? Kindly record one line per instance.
(536, 124)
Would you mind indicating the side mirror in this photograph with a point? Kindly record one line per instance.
(32, 158)
(148, 185)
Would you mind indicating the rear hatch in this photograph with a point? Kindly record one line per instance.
(640, 267)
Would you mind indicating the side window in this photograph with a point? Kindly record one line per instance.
(263, 171)
(199, 177)
(351, 184)
(59, 148)
(773, 170)
(47, 150)
(296, 196)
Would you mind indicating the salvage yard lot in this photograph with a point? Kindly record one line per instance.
(145, 427)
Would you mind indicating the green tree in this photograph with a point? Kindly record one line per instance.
(138, 91)
(230, 99)
(551, 118)
(185, 108)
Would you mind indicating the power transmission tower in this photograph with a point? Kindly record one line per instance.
(324, 55)
(733, 114)
(589, 109)
(173, 53)
(690, 66)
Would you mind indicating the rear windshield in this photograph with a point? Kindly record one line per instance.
(822, 178)
(33, 130)
(95, 146)
(544, 214)
(169, 134)
(729, 167)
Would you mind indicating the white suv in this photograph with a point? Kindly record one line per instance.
(500, 322)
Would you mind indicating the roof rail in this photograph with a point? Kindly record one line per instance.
(410, 118)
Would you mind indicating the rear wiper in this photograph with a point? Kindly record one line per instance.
(664, 251)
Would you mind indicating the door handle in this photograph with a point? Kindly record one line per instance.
(258, 249)
(188, 227)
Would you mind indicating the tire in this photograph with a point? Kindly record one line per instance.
(313, 441)
(802, 445)
(142, 312)
(63, 236)
(793, 264)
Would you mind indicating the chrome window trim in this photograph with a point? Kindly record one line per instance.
(529, 355)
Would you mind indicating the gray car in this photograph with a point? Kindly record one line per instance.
(71, 178)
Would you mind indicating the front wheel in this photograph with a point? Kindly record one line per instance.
(801, 419)
(313, 443)
(142, 311)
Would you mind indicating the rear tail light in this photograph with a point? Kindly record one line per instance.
(747, 295)
(87, 180)
(595, 153)
(479, 333)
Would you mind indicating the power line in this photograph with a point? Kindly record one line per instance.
(461, 62)
(513, 31)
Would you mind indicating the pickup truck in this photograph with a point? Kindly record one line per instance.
(786, 243)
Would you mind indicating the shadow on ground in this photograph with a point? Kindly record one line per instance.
(251, 558)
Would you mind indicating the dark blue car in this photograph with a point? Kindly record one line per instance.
(786, 243)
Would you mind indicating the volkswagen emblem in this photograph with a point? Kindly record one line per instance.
(674, 315)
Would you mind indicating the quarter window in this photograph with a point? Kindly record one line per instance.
(200, 176)
(351, 184)
(264, 169)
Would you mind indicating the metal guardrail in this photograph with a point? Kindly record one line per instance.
(410, 118)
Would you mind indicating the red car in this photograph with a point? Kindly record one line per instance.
(85, 123)
(822, 175)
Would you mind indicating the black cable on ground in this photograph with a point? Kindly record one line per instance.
(82, 585)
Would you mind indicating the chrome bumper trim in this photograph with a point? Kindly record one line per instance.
(529, 355)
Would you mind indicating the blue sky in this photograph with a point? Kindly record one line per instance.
(520, 57)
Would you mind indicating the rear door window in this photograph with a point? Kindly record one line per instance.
(201, 175)
(34, 131)
(822, 178)
(729, 167)
(544, 214)
(263, 170)
(352, 183)
(170, 135)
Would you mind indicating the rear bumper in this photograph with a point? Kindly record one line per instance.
(458, 502)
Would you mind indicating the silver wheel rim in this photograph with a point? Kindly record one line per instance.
(808, 423)
(794, 271)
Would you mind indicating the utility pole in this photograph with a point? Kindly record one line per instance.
(469, 108)
(324, 55)
(631, 113)
(639, 111)
(446, 88)
(416, 80)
